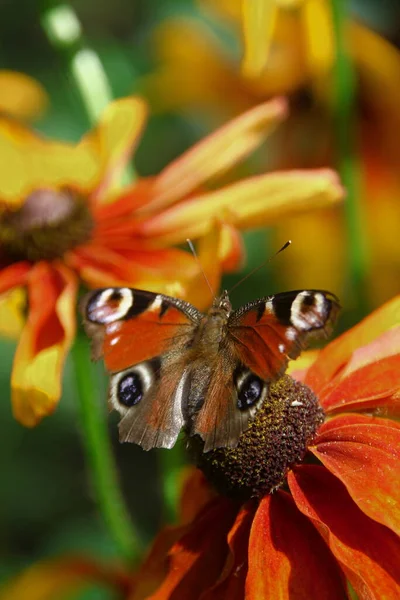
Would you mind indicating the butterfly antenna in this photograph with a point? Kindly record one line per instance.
(286, 245)
(193, 251)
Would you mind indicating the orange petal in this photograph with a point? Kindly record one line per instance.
(197, 559)
(155, 566)
(196, 493)
(231, 582)
(259, 20)
(21, 96)
(113, 140)
(216, 153)
(253, 202)
(338, 352)
(198, 291)
(287, 557)
(55, 578)
(44, 343)
(231, 250)
(364, 453)
(368, 552)
(372, 386)
(13, 276)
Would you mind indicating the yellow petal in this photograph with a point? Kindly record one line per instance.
(11, 312)
(216, 153)
(318, 36)
(21, 96)
(114, 139)
(253, 202)
(44, 343)
(259, 20)
(29, 162)
(184, 47)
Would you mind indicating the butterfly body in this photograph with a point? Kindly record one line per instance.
(173, 367)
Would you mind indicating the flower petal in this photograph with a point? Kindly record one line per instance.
(196, 493)
(368, 552)
(12, 305)
(13, 276)
(259, 19)
(21, 96)
(114, 139)
(287, 558)
(364, 453)
(197, 559)
(44, 343)
(231, 250)
(253, 202)
(231, 582)
(216, 153)
(372, 386)
(338, 352)
(202, 287)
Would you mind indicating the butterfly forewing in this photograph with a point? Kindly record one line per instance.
(270, 331)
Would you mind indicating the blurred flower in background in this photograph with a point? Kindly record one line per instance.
(288, 47)
(64, 220)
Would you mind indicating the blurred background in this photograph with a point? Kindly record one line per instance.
(184, 57)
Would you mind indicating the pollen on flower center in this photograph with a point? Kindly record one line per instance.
(276, 439)
(49, 223)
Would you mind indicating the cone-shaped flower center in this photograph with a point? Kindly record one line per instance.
(49, 223)
(276, 439)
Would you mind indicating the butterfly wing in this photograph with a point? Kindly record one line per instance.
(270, 331)
(262, 336)
(142, 337)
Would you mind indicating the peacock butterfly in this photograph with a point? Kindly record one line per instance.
(172, 366)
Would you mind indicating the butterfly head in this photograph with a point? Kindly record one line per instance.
(222, 303)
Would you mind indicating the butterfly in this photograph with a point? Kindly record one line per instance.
(173, 367)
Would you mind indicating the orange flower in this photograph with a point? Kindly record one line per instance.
(64, 219)
(334, 517)
(289, 48)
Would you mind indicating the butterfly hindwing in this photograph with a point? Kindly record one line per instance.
(142, 337)
(270, 331)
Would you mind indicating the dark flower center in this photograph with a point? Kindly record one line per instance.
(276, 439)
(49, 223)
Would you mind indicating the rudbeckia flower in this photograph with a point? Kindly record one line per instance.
(287, 47)
(64, 220)
(310, 502)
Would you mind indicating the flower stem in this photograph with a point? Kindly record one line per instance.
(344, 86)
(100, 457)
(171, 463)
(64, 31)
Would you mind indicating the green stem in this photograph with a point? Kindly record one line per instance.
(349, 167)
(171, 463)
(64, 32)
(100, 456)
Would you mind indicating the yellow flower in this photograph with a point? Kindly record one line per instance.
(65, 220)
(288, 48)
(21, 96)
